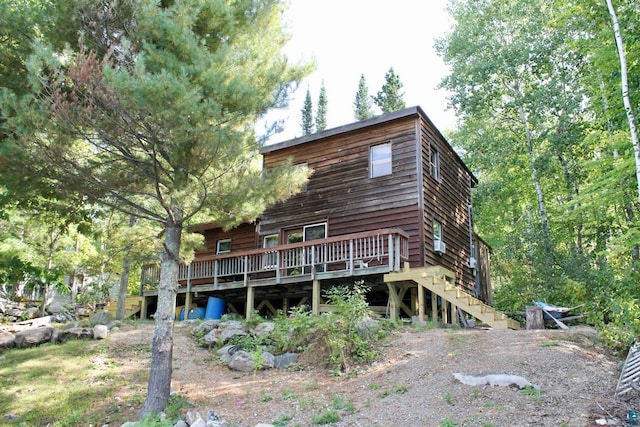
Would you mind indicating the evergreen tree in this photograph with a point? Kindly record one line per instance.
(153, 115)
(321, 114)
(307, 115)
(362, 104)
(389, 98)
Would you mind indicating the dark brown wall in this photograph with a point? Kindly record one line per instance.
(447, 201)
(243, 237)
(341, 191)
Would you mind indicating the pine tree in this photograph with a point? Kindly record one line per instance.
(389, 98)
(307, 115)
(167, 116)
(321, 114)
(362, 104)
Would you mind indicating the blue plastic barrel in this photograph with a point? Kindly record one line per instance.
(215, 308)
(196, 313)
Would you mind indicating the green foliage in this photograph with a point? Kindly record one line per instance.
(328, 416)
(543, 127)
(307, 115)
(343, 327)
(362, 107)
(389, 98)
(321, 114)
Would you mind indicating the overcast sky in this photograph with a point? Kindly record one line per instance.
(348, 38)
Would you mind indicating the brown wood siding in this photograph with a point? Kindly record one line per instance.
(447, 201)
(340, 190)
(243, 237)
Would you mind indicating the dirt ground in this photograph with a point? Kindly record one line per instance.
(412, 385)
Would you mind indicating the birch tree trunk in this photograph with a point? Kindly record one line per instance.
(625, 90)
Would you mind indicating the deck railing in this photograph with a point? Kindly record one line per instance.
(340, 256)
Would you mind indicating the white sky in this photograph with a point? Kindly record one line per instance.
(348, 38)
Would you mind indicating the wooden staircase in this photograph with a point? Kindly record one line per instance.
(440, 281)
(133, 306)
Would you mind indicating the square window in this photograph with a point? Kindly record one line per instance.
(223, 246)
(434, 164)
(380, 160)
(270, 259)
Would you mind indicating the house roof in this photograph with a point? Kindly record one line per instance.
(407, 112)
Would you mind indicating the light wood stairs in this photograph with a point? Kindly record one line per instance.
(441, 282)
(133, 306)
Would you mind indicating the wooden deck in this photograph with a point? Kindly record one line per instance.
(373, 252)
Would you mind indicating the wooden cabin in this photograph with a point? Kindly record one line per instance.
(389, 199)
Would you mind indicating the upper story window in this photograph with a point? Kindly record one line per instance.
(434, 163)
(223, 246)
(380, 160)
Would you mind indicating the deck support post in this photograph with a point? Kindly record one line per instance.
(251, 297)
(315, 298)
(143, 308)
(434, 307)
(454, 315)
(394, 303)
(420, 303)
(187, 304)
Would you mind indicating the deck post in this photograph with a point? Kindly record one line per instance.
(251, 296)
(392, 252)
(394, 305)
(351, 262)
(245, 279)
(434, 306)
(188, 296)
(420, 303)
(143, 308)
(315, 298)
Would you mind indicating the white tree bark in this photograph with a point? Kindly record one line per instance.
(625, 90)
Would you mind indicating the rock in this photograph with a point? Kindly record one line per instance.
(368, 327)
(100, 332)
(181, 423)
(284, 360)
(7, 339)
(206, 326)
(83, 312)
(74, 334)
(56, 306)
(242, 361)
(264, 425)
(263, 329)
(192, 416)
(268, 360)
(199, 423)
(31, 312)
(34, 336)
(226, 334)
(101, 318)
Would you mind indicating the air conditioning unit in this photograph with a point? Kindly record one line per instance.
(439, 247)
(473, 263)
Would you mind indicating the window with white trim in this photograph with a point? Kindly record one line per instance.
(223, 246)
(437, 231)
(434, 163)
(380, 160)
(270, 259)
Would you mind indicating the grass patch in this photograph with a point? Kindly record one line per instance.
(327, 416)
(61, 385)
(399, 389)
